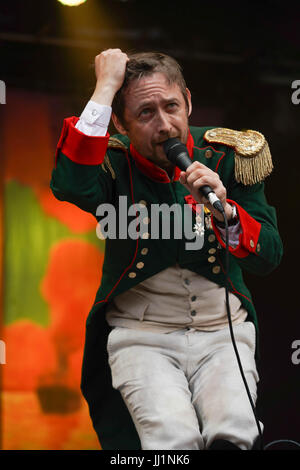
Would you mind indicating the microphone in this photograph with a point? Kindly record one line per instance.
(177, 153)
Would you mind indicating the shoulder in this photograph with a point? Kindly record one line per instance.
(118, 142)
(252, 157)
(114, 159)
(198, 133)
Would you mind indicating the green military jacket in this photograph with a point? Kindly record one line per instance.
(90, 171)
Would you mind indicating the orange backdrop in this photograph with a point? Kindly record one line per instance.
(52, 263)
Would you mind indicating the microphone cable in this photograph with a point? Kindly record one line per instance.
(231, 329)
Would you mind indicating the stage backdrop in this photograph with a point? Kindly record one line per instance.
(52, 268)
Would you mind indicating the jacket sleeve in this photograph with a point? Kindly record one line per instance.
(79, 175)
(260, 247)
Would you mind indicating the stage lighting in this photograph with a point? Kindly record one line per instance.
(72, 3)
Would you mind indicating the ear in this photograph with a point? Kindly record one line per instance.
(189, 97)
(120, 128)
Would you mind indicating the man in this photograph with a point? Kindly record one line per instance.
(159, 316)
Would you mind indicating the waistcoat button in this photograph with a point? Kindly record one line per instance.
(208, 153)
(216, 269)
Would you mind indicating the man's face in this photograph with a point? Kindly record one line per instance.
(154, 112)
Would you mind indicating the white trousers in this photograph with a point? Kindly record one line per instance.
(184, 389)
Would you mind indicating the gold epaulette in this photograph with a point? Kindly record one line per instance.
(253, 161)
(112, 143)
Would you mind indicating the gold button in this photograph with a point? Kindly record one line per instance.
(211, 259)
(142, 202)
(216, 269)
(146, 220)
(144, 251)
(258, 248)
(146, 235)
(140, 265)
(211, 251)
(211, 237)
(208, 153)
(132, 275)
(252, 243)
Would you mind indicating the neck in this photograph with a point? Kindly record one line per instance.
(168, 167)
(170, 171)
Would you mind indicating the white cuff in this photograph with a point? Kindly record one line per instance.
(94, 119)
(233, 234)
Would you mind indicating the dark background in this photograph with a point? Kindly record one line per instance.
(239, 61)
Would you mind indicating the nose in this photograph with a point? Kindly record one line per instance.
(163, 123)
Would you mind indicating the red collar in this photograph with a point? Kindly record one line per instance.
(155, 172)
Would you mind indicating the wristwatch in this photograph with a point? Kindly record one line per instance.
(233, 221)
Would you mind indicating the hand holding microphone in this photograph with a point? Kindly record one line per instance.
(199, 179)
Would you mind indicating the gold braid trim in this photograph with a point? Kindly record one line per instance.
(112, 143)
(116, 143)
(106, 163)
(253, 161)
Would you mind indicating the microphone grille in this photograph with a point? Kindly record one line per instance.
(170, 143)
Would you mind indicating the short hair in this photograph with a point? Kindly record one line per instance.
(144, 64)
